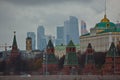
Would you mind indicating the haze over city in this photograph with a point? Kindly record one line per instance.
(25, 16)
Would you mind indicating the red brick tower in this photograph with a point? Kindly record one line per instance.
(89, 61)
(14, 51)
(112, 61)
(50, 64)
(71, 60)
(14, 57)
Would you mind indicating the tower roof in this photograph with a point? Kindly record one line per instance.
(71, 44)
(28, 38)
(112, 50)
(89, 46)
(50, 44)
(105, 19)
(104, 25)
(14, 40)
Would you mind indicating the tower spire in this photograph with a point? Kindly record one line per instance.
(105, 19)
(105, 7)
(14, 45)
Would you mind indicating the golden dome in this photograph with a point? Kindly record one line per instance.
(105, 19)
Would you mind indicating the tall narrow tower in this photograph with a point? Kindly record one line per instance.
(89, 61)
(71, 59)
(83, 28)
(28, 44)
(14, 51)
(112, 61)
(51, 62)
(15, 57)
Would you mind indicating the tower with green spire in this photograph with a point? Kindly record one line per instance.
(112, 61)
(14, 57)
(71, 59)
(14, 51)
(51, 62)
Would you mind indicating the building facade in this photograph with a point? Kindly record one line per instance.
(71, 30)
(33, 37)
(60, 36)
(101, 36)
(41, 41)
(28, 44)
(83, 28)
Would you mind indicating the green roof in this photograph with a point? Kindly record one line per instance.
(71, 44)
(112, 50)
(14, 41)
(60, 47)
(105, 25)
(50, 44)
(71, 59)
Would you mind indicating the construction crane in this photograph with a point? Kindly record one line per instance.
(5, 46)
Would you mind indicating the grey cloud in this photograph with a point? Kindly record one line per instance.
(44, 2)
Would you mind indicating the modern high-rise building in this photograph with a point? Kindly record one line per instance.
(41, 40)
(83, 28)
(33, 37)
(60, 36)
(71, 30)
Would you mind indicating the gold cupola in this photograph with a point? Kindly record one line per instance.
(105, 19)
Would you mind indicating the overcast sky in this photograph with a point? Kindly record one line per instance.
(26, 15)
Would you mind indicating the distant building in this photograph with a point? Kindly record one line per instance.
(28, 44)
(83, 28)
(71, 30)
(60, 36)
(101, 36)
(41, 40)
(33, 37)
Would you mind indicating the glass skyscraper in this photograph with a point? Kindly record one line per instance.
(41, 40)
(60, 35)
(71, 30)
(33, 37)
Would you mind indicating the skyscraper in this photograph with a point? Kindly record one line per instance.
(60, 35)
(33, 37)
(71, 31)
(83, 28)
(41, 41)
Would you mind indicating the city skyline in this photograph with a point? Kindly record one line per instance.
(25, 16)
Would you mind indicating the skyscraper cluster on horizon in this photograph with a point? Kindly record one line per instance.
(69, 31)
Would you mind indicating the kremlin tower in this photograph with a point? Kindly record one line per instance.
(14, 51)
(14, 57)
(71, 60)
(50, 65)
(89, 61)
